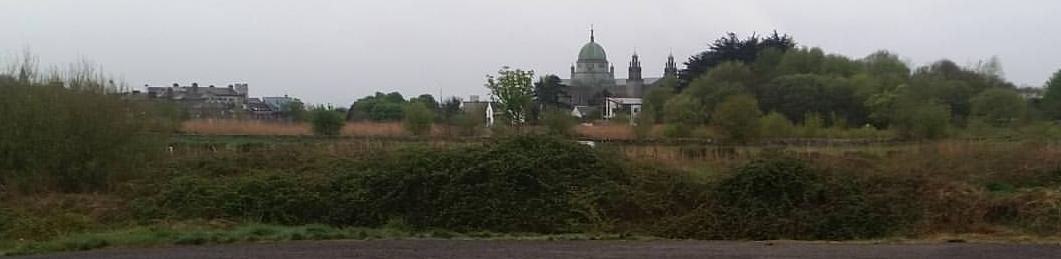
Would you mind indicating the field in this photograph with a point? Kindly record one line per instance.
(365, 129)
(231, 181)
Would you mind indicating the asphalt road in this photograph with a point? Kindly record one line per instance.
(452, 249)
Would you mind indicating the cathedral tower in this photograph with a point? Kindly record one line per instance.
(671, 70)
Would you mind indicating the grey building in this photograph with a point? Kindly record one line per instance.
(593, 79)
(204, 102)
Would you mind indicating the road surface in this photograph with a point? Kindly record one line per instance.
(453, 249)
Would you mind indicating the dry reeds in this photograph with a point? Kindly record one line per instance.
(244, 127)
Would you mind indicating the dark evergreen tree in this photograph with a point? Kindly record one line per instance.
(732, 48)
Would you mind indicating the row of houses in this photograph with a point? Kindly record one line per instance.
(219, 102)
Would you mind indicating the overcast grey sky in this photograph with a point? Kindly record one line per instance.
(337, 51)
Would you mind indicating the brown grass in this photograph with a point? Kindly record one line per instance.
(265, 128)
(606, 131)
(250, 127)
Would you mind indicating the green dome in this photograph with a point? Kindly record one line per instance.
(592, 51)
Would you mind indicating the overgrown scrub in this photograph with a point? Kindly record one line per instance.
(783, 198)
(521, 184)
(60, 137)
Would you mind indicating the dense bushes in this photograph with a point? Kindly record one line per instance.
(57, 138)
(550, 185)
(326, 121)
(527, 184)
(783, 198)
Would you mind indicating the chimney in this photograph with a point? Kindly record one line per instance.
(473, 98)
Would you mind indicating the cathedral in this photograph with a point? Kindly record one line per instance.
(593, 77)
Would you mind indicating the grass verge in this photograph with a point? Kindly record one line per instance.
(155, 236)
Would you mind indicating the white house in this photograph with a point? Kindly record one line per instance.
(614, 106)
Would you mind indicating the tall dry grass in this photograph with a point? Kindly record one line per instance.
(267, 128)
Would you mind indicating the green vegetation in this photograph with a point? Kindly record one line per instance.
(738, 117)
(73, 135)
(418, 118)
(327, 121)
(514, 91)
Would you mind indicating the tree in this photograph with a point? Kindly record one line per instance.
(652, 104)
(797, 95)
(327, 121)
(294, 111)
(887, 68)
(732, 48)
(378, 107)
(514, 91)
(999, 107)
(449, 108)
(418, 118)
(548, 92)
(923, 120)
(427, 100)
(682, 113)
(738, 117)
(1051, 103)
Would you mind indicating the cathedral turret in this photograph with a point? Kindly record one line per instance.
(671, 70)
(634, 84)
(635, 68)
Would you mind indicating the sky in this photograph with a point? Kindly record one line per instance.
(334, 52)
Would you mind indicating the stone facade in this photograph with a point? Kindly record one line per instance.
(593, 79)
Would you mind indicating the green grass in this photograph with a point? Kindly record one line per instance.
(200, 235)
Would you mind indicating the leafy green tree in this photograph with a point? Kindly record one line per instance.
(653, 103)
(738, 117)
(326, 121)
(797, 95)
(887, 68)
(378, 107)
(514, 90)
(802, 61)
(427, 100)
(682, 114)
(775, 125)
(923, 120)
(999, 107)
(418, 118)
(1051, 103)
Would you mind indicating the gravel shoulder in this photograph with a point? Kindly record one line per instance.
(575, 249)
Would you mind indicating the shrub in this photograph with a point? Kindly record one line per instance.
(559, 122)
(682, 113)
(775, 125)
(738, 117)
(521, 184)
(783, 198)
(417, 119)
(999, 107)
(70, 140)
(924, 121)
(327, 121)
